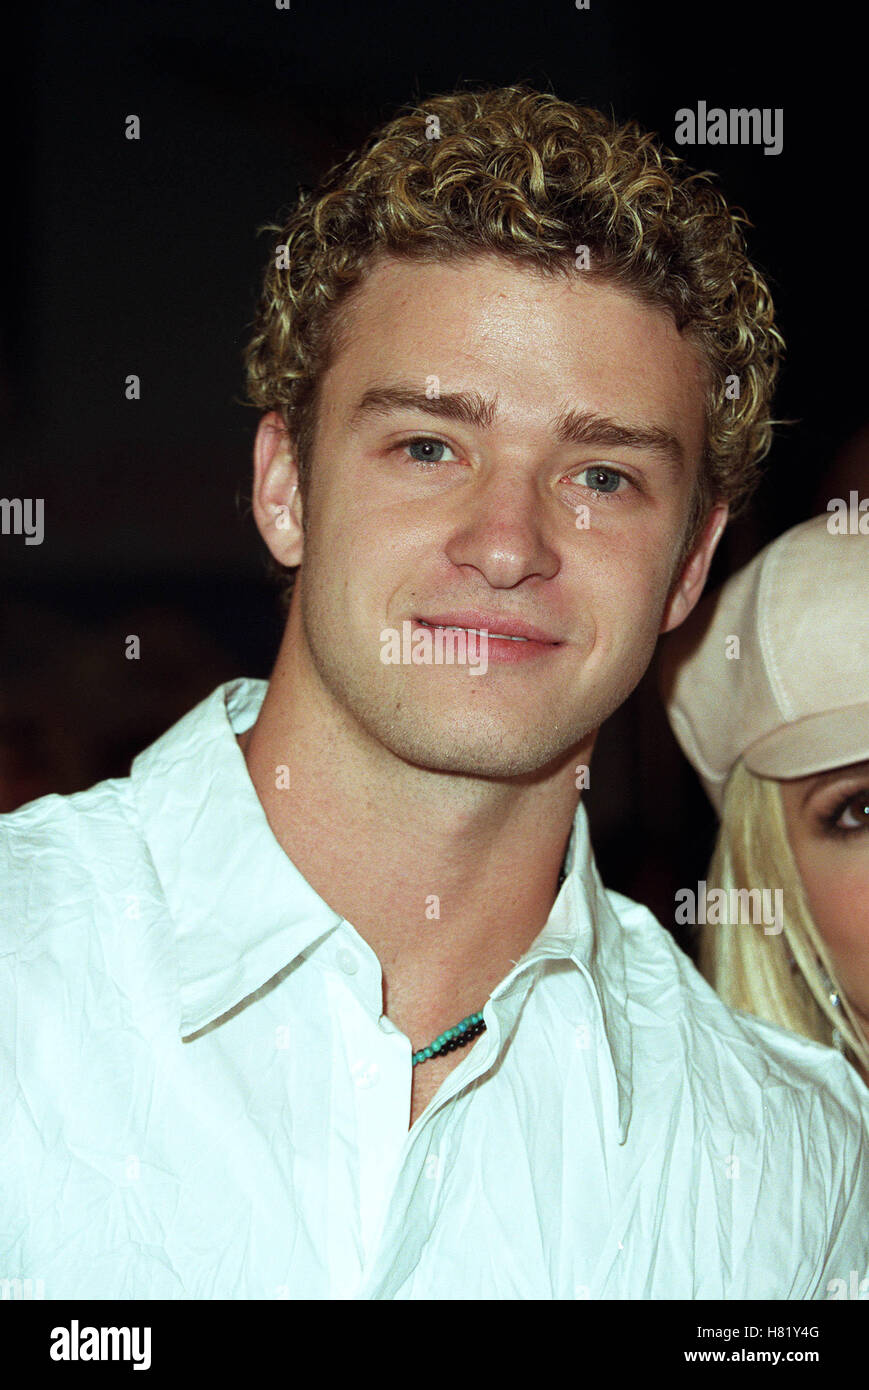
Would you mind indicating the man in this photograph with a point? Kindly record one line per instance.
(301, 1008)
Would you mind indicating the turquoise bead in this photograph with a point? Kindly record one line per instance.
(440, 1042)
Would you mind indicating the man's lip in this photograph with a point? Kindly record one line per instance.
(490, 623)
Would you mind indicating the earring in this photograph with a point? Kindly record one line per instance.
(833, 996)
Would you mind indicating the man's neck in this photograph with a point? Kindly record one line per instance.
(449, 878)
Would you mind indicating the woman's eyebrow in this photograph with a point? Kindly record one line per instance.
(837, 774)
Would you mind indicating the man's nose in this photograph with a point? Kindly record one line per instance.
(503, 532)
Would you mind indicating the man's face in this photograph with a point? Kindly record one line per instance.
(479, 518)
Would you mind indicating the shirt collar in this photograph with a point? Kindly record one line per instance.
(242, 911)
(583, 927)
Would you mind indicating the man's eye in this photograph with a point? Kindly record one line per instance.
(426, 450)
(600, 479)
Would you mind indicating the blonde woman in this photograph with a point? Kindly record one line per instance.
(767, 691)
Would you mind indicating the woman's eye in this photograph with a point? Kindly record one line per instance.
(425, 450)
(854, 815)
(600, 479)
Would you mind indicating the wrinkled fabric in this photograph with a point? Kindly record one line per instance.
(200, 1097)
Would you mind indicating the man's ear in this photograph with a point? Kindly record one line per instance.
(277, 501)
(689, 586)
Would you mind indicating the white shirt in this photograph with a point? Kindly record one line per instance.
(200, 1096)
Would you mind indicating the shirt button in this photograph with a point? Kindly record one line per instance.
(365, 1074)
(348, 962)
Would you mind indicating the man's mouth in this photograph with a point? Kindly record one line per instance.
(498, 627)
(453, 627)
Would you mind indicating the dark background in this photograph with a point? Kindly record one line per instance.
(141, 257)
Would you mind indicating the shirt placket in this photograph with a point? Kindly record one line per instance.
(378, 1073)
(427, 1151)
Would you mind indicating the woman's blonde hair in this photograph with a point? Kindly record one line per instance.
(749, 969)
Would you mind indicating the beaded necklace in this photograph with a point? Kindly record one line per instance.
(469, 1028)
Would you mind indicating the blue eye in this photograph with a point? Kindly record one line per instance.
(430, 450)
(602, 479)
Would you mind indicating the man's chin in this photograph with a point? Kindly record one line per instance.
(459, 731)
(496, 754)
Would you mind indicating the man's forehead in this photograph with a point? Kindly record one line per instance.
(460, 281)
(479, 333)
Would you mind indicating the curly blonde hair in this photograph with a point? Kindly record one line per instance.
(521, 174)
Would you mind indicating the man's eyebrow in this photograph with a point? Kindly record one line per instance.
(467, 407)
(585, 427)
(569, 427)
